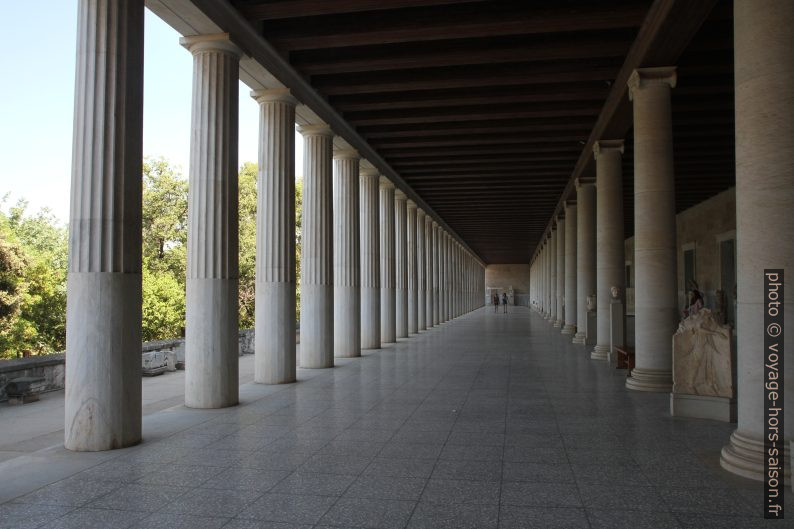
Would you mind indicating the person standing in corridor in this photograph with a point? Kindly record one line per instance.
(504, 301)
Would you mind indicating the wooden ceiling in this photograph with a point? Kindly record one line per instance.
(485, 107)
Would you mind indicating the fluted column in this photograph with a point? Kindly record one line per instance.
(444, 250)
(401, 263)
(764, 75)
(370, 259)
(211, 312)
(317, 254)
(436, 275)
(585, 254)
(421, 272)
(429, 272)
(347, 257)
(559, 321)
(610, 252)
(656, 297)
(274, 335)
(570, 268)
(388, 315)
(103, 323)
(413, 295)
(553, 273)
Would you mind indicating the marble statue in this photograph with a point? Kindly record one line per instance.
(702, 356)
(615, 291)
(591, 302)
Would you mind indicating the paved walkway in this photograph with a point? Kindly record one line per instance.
(489, 421)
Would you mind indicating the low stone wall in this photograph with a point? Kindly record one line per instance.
(52, 367)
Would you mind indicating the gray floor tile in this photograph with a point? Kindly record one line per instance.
(623, 519)
(70, 492)
(537, 472)
(333, 464)
(245, 479)
(528, 494)
(407, 468)
(292, 508)
(470, 470)
(474, 452)
(401, 450)
(461, 491)
(384, 487)
(513, 517)
(206, 502)
(139, 497)
(180, 521)
(372, 514)
(454, 516)
(85, 518)
(314, 484)
(28, 515)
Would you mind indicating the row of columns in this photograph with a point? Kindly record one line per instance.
(764, 73)
(374, 266)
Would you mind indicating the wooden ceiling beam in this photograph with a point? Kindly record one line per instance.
(283, 9)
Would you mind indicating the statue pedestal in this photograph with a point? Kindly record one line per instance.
(590, 328)
(617, 330)
(703, 407)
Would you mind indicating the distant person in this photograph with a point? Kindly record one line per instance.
(504, 301)
(495, 301)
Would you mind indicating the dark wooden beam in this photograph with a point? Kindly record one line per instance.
(281, 9)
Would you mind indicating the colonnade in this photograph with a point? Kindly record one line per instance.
(764, 73)
(375, 266)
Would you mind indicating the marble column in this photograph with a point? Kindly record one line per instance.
(764, 75)
(436, 268)
(421, 272)
(656, 293)
(317, 256)
(413, 295)
(428, 272)
(553, 273)
(388, 329)
(401, 263)
(444, 276)
(274, 335)
(347, 255)
(585, 253)
(559, 321)
(370, 259)
(570, 268)
(211, 310)
(610, 241)
(103, 323)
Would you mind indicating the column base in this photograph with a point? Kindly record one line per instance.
(652, 380)
(558, 323)
(745, 456)
(568, 329)
(579, 338)
(600, 352)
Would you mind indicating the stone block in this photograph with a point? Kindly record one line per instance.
(617, 330)
(154, 363)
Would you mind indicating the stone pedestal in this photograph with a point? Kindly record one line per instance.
(703, 407)
(103, 322)
(211, 309)
(388, 330)
(617, 329)
(590, 329)
(370, 259)
(275, 361)
(317, 274)
(347, 256)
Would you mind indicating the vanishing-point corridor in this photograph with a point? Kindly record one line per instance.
(490, 420)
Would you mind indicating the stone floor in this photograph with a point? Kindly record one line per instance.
(489, 421)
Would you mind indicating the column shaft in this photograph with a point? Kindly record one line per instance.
(388, 315)
(436, 269)
(401, 263)
(764, 75)
(370, 259)
(274, 335)
(103, 323)
(211, 330)
(585, 254)
(656, 298)
(413, 295)
(317, 255)
(570, 269)
(347, 256)
(559, 321)
(610, 253)
(428, 272)
(421, 272)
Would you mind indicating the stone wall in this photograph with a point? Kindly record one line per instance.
(504, 276)
(52, 367)
(701, 227)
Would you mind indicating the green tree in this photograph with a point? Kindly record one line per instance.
(247, 243)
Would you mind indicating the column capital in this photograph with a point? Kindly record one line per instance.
(346, 154)
(385, 183)
(320, 129)
(217, 42)
(273, 95)
(411, 204)
(369, 171)
(584, 181)
(420, 212)
(644, 76)
(399, 195)
(604, 146)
